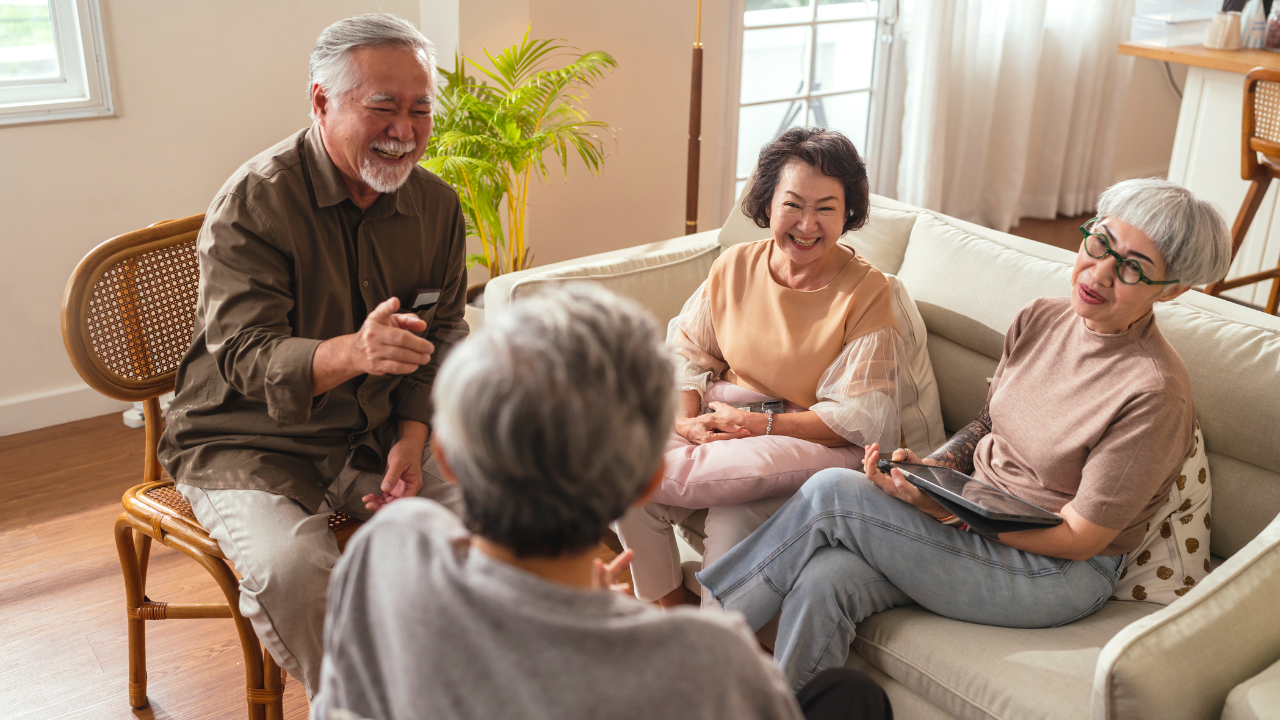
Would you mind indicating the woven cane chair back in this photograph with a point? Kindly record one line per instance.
(129, 309)
(1261, 121)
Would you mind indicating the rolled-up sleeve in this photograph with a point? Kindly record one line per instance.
(246, 298)
(446, 328)
(692, 337)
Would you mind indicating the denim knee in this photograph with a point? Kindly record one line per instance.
(841, 487)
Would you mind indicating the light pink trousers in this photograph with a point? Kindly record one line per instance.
(742, 482)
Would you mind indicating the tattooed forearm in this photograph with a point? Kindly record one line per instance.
(958, 452)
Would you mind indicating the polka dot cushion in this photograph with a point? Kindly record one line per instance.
(1174, 555)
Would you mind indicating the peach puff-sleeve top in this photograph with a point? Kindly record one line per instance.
(835, 351)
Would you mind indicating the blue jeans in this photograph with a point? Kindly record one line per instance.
(842, 549)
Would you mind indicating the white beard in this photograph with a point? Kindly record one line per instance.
(380, 176)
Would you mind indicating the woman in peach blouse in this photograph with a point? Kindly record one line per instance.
(787, 360)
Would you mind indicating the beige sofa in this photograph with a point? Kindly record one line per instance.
(1213, 653)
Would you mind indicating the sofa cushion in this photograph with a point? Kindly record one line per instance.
(660, 276)
(1257, 698)
(883, 240)
(1233, 356)
(982, 672)
(921, 413)
(1174, 554)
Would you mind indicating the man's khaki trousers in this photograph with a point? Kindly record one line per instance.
(284, 554)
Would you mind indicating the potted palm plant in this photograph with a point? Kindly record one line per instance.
(490, 140)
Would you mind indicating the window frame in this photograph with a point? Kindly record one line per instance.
(885, 20)
(84, 88)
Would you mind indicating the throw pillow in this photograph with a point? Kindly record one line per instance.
(1174, 555)
(920, 408)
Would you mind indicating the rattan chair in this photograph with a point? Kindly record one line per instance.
(127, 319)
(1260, 135)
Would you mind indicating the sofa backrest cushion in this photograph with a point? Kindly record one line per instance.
(969, 283)
(660, 277)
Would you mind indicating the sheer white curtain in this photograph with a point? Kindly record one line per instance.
(1011, 106)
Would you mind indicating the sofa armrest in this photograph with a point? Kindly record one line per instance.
(1257, 698)
(1182, 661)
(660, 276)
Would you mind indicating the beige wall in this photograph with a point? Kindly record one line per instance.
(1148, 121)
(199, 87)
(640, 195)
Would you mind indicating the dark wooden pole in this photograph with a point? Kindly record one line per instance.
(695, 133)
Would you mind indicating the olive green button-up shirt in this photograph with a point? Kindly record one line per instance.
(287, 260)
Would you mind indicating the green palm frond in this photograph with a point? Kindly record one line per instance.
(490, 139)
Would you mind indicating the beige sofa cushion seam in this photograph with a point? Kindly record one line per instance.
(974, 703)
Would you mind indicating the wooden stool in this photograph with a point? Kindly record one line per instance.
(1260, 135)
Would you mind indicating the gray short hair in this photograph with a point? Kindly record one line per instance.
(1190, 233)
(331, 58)
(554, 417)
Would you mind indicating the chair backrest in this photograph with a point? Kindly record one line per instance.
(128, 314)
(1261, 120)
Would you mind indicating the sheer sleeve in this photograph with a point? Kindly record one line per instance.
(858, 394)
(693, 339)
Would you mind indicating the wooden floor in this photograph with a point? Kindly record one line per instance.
(62, 618)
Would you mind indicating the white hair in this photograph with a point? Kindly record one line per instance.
(331, 67)
(554, 417)
(1190, 233)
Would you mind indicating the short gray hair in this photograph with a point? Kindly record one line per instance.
(331, 58)
(1190, 233)
(554, 417)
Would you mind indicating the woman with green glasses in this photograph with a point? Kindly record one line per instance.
(1089, 415)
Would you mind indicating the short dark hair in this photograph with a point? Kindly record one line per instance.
(827, 150)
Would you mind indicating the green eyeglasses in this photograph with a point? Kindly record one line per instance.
(1098, 246)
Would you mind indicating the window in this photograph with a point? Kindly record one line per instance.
(805, 62)
(52, 65)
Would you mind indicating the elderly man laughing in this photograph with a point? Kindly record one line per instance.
(332, 284)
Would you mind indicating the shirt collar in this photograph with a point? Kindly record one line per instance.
(331, 189)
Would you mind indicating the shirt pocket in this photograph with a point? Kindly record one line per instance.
(427, 316)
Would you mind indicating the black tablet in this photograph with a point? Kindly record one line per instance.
(951, 488)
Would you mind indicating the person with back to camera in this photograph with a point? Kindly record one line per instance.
(551, 421)
(1089, 415)
(797, 319)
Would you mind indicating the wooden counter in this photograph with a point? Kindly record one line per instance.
(1233, 61)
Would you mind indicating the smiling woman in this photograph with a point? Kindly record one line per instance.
(788, 360)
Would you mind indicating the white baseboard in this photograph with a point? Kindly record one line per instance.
(54, 407)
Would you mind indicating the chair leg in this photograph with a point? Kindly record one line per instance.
(1252, 201)
(142, 544)
(1274, 300)
(133, 593)
(273, 681)
(257, 696)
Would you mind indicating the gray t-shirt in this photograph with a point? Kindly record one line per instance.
(420, 626)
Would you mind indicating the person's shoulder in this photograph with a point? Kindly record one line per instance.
(432, 186)
(1171, 375)
(1048, 309)
(407, 519)
(281, 162)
